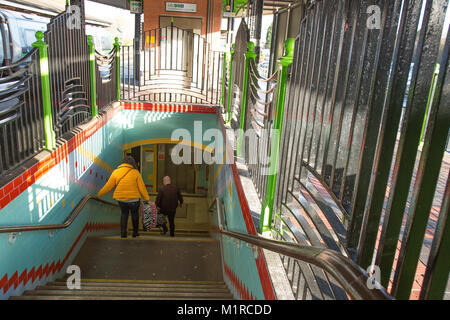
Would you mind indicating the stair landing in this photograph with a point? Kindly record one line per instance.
(150, 258)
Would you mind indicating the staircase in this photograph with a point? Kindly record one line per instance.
(129, 290)
(149, 267)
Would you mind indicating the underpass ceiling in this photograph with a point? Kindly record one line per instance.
(54, 7)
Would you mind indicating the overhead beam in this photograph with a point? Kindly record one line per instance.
(122, 4)
(47, 9)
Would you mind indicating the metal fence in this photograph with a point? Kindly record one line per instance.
(21, 112)
(261, 101)
(106, 78)
(354, 176)
(68, 57)
(175, 65)
(226, 83)
(238, 70)
(28, 95)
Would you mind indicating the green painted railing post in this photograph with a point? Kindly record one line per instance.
(50, 142)
(430, 97)
(93, 76)
(117, 45)
(230, 84)
(267, 205)
(250, 54)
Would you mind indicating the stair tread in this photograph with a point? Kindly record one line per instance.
(124, 293)
(131, 283)
(66, 297)
(139, 289)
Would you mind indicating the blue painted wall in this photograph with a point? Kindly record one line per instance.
(49, 201)
(52, 197)
(140, 125)
(238, 257)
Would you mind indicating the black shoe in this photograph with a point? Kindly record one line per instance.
(165, 229)
(135, 235)
(122, 236)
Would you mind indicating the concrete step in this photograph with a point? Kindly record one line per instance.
(101, 289)
(199, 233)
(143, 236)
(143, 284)
(139, 289)
(74, 297)
(134, 294)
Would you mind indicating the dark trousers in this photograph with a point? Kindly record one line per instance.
(171, 217)
(126, 207)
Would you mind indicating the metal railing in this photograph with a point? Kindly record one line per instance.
(70, 219)
(173, 65)
(259, 118)
(349, 279)
(52, 90)
(68, 62)
(21, 111)
(237, 80)
(106, 78)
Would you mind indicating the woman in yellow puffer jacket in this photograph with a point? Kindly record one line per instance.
(130, 188)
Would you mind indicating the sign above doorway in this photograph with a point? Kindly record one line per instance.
(181, 7)
(136, 7)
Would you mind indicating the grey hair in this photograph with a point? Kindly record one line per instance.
(166, 180)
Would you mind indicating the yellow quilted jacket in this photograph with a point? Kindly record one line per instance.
(131, 186)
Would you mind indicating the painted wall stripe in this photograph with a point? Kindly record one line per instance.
(176, 108)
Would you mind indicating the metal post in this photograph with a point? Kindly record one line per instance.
(45, 84)
(117, 45)
(224, 74)
(267, 207)
(230, 24)
(258, 24)
(208, 21)
(250, 54)
(427, 111)
(230, 83)
(93, 76)
(137, 50)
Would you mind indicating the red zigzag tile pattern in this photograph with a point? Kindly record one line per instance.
(238, 284)
(15, 280)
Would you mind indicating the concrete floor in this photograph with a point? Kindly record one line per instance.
(150, 258)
